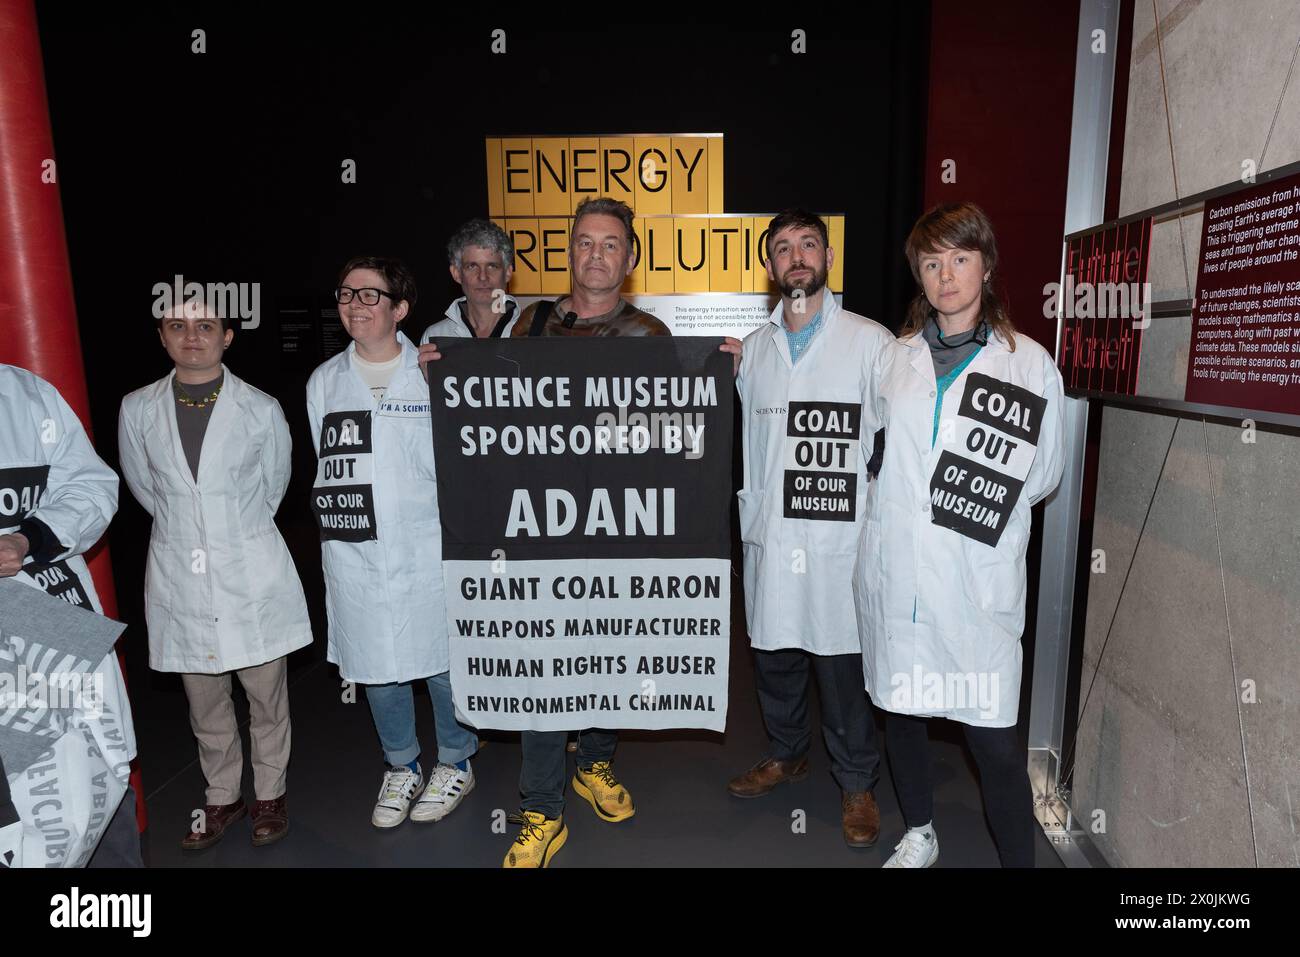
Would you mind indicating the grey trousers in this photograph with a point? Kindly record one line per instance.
(847, 725)
(212, 716)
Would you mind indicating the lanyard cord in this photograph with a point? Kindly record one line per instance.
(980, 337)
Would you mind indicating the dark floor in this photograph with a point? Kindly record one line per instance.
(685, 817)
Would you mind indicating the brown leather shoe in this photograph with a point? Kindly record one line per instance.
(766, 775)
(270, 821)
(861, 818)
(216, 818)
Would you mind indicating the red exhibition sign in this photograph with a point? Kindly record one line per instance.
(1103, 308)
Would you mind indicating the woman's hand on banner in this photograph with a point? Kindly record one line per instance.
(428, 352)
(729, 344)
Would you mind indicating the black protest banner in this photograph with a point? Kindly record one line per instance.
(584, 487)
(974, 490)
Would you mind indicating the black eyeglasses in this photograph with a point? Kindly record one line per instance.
(367, 294)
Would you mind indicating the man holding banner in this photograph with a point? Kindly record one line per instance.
(601, 254)
(528, 578)
(801, 381)
(602, 251)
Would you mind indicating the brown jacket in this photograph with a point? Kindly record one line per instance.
(624, 320)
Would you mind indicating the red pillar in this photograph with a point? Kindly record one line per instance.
(38, 317)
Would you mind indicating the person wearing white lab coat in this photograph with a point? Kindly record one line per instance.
(376, 505)
(801, 381)
(972, 417)
(207, 456)
(480, 257)
(56, 500)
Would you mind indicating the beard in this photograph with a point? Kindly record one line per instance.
(810, 285)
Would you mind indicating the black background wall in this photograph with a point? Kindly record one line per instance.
(225, 166)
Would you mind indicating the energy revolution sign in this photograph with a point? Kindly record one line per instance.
(700, 269)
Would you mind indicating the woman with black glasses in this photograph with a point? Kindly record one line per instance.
(376, 505)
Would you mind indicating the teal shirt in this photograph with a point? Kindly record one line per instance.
(801, 340)
(941, 386)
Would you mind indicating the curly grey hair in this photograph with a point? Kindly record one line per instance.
(484, 233)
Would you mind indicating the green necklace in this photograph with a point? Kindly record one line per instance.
(200, 403)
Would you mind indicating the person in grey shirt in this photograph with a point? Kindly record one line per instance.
(207, 455)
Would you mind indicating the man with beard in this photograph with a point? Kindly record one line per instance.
(801, 381)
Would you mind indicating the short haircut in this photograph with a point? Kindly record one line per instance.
(606, 207)
(956, 226)
(796, 217)
(484, 233)
(401, 283)
(951, 226)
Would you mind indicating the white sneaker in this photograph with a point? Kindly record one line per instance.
(400, 785)
(918, 848)
(448, 786)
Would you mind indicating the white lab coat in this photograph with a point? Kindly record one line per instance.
(799, 570)
(941, 613)
(454, 324)
(384, 595)
(77, 499)
(221, 590)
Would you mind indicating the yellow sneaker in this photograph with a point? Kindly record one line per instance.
(538, 839)
(602, 791)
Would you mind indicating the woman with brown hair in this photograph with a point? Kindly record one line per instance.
(972, 413)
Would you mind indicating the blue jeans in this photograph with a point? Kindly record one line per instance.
(541, 777)
(393, 708)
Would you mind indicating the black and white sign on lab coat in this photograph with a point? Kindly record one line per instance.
(343, 500)
(821, 461)
(974, 490)
(21, 492)
(583, 486)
